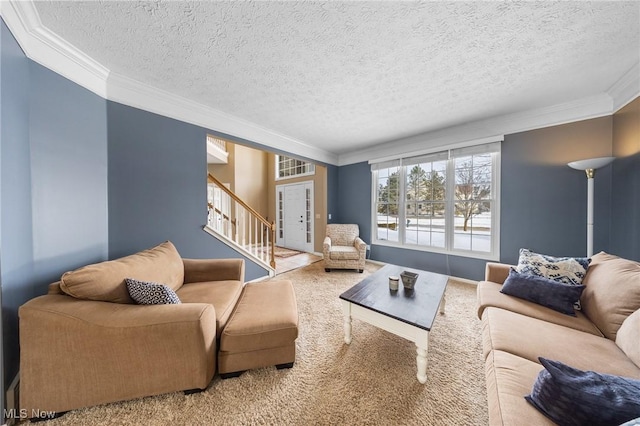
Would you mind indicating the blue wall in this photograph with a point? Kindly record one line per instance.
(625, 186)
(16, 262)
(543, 201)
(68, 138)
(53, 150)
(625, 207)
(354, 197)
(158, 186)
(332, 193)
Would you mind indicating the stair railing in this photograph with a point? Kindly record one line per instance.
(244, 226)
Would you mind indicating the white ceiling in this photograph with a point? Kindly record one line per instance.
(348, 76)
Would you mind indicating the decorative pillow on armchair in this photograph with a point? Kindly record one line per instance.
(569, 396)
(148, 293)
(543, 291)
(565, 270)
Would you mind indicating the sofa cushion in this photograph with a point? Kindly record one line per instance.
(543, 291)
(570, 396)
(628, 337)
(222, 295)
(276, 326)
(344, 253)
(105, 281)
(509, 379)
(531, 338)
(567, 270)
(612, 292)
(148, 293)
(489, 295)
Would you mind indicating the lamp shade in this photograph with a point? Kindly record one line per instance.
(591, 163)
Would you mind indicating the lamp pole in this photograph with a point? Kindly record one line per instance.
(590, 175)
(590, 166)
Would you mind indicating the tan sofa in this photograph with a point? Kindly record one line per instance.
(343, 248)
(87, 343)
(603, 337)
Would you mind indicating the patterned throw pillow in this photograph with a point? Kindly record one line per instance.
(149, 293)
(565, 270)
(543, 291)
(569, 396)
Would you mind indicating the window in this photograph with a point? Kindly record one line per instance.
(287, 167)
(444, 202)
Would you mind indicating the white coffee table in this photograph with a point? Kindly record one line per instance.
(408, 314)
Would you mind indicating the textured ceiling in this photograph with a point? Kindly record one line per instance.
(343, 76)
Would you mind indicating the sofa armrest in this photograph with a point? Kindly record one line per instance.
(77, 353)
(200, 270)
(496, 272)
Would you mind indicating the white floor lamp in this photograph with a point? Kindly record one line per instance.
(590, 166)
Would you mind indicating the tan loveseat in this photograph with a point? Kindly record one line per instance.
(87, 343)
(603, 337)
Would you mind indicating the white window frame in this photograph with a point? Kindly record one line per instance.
(308, 164)
(454, 152)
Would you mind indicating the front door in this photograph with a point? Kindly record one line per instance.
(295, 214)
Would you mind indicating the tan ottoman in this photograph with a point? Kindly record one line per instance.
(261, 331)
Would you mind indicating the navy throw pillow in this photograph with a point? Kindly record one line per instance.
(569, 396)
(543, 291)
(149, 293)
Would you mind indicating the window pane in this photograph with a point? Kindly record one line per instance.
(482, 192)
(481, 233)
(463, 162)
(482, 160)
(461, 240)
(411, 233)
(288, 166)
(438, 238)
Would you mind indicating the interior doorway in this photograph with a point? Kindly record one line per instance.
(295, 212)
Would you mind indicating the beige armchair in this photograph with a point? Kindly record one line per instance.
(343, 248)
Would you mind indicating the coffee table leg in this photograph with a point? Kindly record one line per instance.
(443, 302)
(346, 309)
(421, 359)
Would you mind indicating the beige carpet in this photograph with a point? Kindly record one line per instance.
(372, 381)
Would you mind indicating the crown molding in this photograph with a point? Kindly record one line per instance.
(48, 49)
(140, 95)
(51, 51)
(582, 109)
(626, 89)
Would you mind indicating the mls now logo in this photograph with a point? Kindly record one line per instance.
(23, 413)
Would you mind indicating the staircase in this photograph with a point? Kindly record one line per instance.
(238, 225)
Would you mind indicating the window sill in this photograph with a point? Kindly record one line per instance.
(460, 253)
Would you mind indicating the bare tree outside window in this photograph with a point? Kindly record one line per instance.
(473, 187)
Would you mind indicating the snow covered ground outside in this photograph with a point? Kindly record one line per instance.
(430, 232)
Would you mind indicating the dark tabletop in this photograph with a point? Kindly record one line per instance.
(418, 307)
